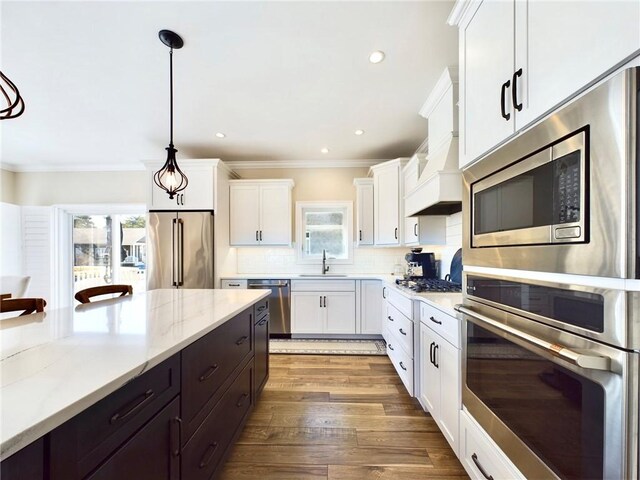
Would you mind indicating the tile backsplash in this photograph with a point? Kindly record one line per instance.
(263, 261)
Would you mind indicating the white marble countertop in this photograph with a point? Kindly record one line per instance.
(54, 365)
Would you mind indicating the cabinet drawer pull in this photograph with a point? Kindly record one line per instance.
(210, 371)
(261, 308)
(474, 457)
(234, 284)
(402, 331)
(403, 367)
(263, 321)
(208, 454)
(390, 319)
(390, 347)
(241, 340)
(146, 397)
(514, 90)
(439, 322)
(175, 437)
(503, 92)
(241, 400)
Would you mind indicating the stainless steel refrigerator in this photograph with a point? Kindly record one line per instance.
(180, 250)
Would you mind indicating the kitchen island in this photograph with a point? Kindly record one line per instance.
(59, 365)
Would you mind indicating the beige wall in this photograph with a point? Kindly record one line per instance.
(8, 187)
(51, 188)
(314, 184)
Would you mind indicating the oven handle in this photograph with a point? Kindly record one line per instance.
(590, 362)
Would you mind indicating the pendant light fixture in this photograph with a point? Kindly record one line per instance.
(170, 178)
(14, 102)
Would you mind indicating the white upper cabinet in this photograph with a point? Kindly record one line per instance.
(364, 213)
(387, 191)
(521, 59)
(200, 191)
(260, 212)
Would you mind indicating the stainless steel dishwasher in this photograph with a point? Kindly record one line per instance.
(279, 305)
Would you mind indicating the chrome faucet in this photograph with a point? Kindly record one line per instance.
(325, 267)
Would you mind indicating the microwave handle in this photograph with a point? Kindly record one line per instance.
(590, 362)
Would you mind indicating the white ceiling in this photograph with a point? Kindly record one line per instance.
(280, 79)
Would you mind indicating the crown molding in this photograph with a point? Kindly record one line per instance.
(447, 80)
(251, 165)
(459, 12)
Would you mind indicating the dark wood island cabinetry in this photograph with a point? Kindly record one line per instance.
(177, 420)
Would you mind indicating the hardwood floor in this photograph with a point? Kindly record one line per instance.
(339, 418)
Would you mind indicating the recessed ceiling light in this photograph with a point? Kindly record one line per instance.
(324, 150)
(220, 135)
(359, 132)
(377, 56)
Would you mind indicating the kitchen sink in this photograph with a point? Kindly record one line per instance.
(319, 275)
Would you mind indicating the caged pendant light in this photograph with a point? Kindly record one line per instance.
(15, 103)
(170, 178)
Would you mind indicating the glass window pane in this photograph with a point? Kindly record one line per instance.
(133, 252)
(325, 229)
(92, 263)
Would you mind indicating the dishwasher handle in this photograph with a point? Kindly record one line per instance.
(268, 285)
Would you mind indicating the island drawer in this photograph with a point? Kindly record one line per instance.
(401, 328)
(80, 444)
(204, 452)
(208, 363)
(261, 309)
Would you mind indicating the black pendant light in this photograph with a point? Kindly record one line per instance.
(170, 178)
(14, 102)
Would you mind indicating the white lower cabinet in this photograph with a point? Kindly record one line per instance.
(480, 456)
(371, 302)
(397, 330)
(322, 312)
(440, 377)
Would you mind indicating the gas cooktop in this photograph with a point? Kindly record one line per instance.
(419, 284)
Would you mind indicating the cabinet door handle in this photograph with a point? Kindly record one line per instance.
(176, 435)
(260, 235)
(474, 457)
(431, 353)
(208, 454)
(360, 235)
(241, 400)
(208, 372)
(320, 301)
(402, 332)
(325, 302)
(415, 229)
(256, 235)
(390, 318)
(503, 94)
(384, 289)
(395, 233)
(390, 347)
(146, 397)
(241, 340)
(403, 367)
(435, 355)
(439, 322)
(514, 90)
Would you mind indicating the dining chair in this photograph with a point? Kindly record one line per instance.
(14, 285)
(84, 296)
(27, 305)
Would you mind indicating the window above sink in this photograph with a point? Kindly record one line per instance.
(324, 226)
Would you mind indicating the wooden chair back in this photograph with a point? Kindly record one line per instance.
(84, 296)
(28, 305)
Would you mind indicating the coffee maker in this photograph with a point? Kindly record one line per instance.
(421, 265)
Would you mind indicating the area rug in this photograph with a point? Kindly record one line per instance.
(327, 347)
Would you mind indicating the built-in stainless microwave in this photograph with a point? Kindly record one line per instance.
(562, 196)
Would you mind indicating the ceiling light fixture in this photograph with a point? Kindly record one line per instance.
(324, 150)
(170, 178)
(377, 56)
(220, 135)
(12, 97)
(359, 132)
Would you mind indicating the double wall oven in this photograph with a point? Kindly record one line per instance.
(551, 368)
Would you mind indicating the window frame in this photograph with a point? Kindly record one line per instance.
(301, 257)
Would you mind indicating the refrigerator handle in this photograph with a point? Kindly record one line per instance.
(174, 261)
(181, 252)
